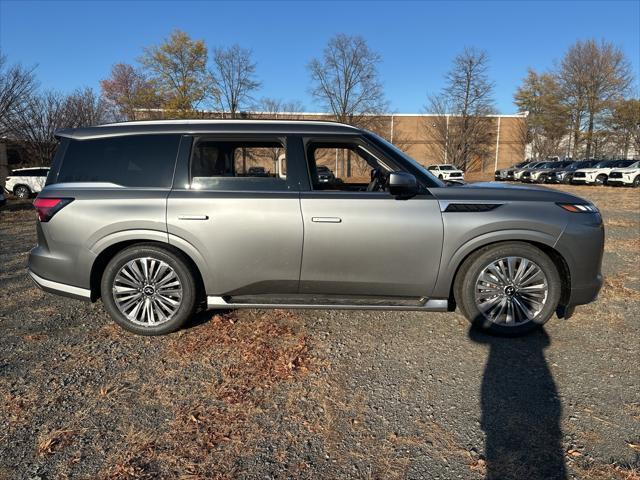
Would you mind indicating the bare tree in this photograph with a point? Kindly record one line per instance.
(129, 94)
(345, 82)
(548, 121)
(279, 109)
(234, 78)
(592, 76)
(623, 124)
(177, 69)
(84, 108)
(464, 132)
(36, 123)
(16, 85)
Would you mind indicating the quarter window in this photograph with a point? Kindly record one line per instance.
(130, 161)
(238, 165)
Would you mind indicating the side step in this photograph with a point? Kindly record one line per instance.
(327, 303)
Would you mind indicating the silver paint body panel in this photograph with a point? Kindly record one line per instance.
(304, 242)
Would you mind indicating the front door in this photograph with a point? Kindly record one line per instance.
(359, 239)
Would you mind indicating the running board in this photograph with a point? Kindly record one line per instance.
(428, 305)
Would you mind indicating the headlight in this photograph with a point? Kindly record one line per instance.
(578, 207)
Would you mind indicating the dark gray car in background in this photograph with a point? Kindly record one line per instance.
(160, 218)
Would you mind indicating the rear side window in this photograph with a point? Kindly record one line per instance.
(130, 161)
(239, 164)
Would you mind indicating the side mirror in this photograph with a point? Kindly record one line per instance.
(402, 185)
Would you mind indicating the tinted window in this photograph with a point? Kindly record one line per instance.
(130, 161)
(357, 166)
(624, 163)
(238, 165)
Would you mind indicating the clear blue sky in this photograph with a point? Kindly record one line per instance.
(74, 43)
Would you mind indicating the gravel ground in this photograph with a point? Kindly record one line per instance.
(320, 394)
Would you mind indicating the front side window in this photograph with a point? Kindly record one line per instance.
(347, 166)
(238, 164)
(137, 161)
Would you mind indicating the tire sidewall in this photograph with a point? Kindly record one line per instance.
(465, 291)
(183, 272)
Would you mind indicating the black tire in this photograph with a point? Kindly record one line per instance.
(175, 261)
(465, 283)
(601, 179)
(22, 191)
(542, 178)
(440, 177)
(636, 182)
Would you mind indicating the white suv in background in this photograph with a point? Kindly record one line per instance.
(23, 182)
(599, 173)
(625, 176)
(446, 172)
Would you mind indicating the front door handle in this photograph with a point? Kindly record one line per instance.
(326, 219)
(193, 217)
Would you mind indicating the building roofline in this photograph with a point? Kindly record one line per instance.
(326, 114)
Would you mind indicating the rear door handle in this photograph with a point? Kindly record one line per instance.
(326, 219)
(193, 217)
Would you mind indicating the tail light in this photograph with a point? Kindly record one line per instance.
(46, 208)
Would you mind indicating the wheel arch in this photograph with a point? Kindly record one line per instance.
(13, 189)
(548, 248)
(104, 257)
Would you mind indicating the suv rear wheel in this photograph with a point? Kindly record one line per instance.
(148, 290)
(22, 191)
(601, 179)
(508, 288)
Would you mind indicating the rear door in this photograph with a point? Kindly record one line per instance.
(359, 239)
(246, 226)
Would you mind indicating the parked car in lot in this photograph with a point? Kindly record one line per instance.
(599, 173)
(502, 174)
(625, 176)
(325, 175)
(564, 174)
(515, 174)
(540, 174)
(23, 182)
(157, 218)
(257, 172)
(525, 174)
(446, 172)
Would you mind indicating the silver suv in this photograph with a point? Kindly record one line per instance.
(159, 218)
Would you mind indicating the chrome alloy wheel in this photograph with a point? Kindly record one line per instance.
(147, 291)
(511, 291)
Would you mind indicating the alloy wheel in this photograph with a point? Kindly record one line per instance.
(511, 291)
(21, 192)
(147, 291)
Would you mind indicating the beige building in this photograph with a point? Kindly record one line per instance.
(415, 134)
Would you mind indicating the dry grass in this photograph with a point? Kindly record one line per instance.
(240, 362)
(615, 287)
(55, 440)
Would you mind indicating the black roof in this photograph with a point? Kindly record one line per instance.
(279, 127)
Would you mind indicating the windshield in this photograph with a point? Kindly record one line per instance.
(554, 165)
(447, 167)
(395, 150)
(604, 164)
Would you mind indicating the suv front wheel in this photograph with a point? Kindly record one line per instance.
(508, 288)
(148, 290)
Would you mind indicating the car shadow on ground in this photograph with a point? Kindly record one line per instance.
(521, 409)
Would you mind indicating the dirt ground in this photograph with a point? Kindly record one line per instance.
(319, 394)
